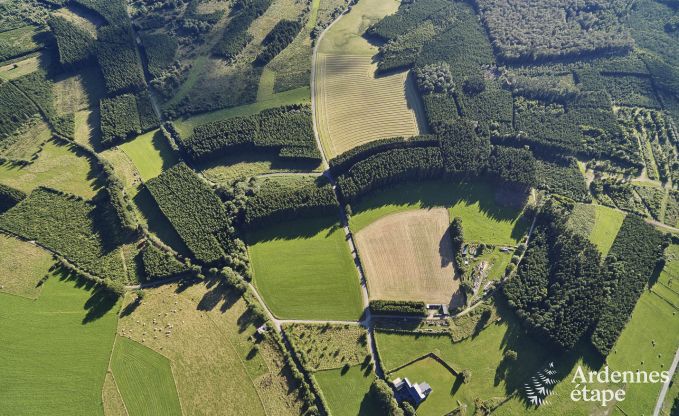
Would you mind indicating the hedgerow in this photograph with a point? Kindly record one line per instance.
(160, 50)
(278, 39)
(9, 197)
(159, 264)
(119, 119)
(636, 253)
(70, 226)
(558, 289)
(388, 167)
(236, 36)
(281, 198)
(288, 129)
(15, 109)
(193, 209)
(119, 61)
(74, 44)
(398, 307)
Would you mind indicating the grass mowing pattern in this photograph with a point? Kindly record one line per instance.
(55, 350)
(475, 202)
(346, 392)
(303, 270)
(150, 153)
(355, 107)
(144, 379)
(22, 265)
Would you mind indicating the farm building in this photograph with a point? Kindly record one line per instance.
(414, 393)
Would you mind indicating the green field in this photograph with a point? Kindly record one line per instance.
(228, 168)
(607, 222)
(55, 350)
(144, 379)
(443, 386)
(482, 355)
(297, 96)
(347, 391)
(653, 320)
(58, 166)
(150, 153)
(22, 265)
(304, 270)
(17, 42)
(482, 218)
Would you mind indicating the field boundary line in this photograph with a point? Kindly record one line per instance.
(666, 385)
(431, 355)
(110, 370)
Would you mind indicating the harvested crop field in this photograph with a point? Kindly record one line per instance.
(408, 256)
(355, 107)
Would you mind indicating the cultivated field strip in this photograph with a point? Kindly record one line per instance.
(408, 256)
(355, 107)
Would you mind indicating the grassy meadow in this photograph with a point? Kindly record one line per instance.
(56, 349)
(22, 265)
(204, 330)
(346, 391)
(483, 219)
(150, 153)
(58, 165)
(228, 168)
(303, 270)
(144, 379)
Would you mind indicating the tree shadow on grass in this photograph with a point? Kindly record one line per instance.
(534, 356)
(157, 223)
(168, 156)
(449, 192)
(293, 229)
(218, 294)
(101, 300)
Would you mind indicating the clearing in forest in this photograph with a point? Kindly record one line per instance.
(409, 256)
(22, 266)
(353, 104)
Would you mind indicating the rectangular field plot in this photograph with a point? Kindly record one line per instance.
(355, 107)
(303, 270)
(55, 350)
(144, 379)
(150, 153)
(409, 256)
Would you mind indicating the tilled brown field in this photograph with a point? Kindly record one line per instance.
(408, 256)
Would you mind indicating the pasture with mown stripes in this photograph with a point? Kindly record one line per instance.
(354, 105)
